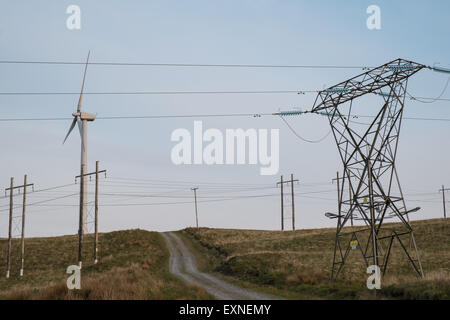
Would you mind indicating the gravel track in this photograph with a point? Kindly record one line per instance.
(183, 264)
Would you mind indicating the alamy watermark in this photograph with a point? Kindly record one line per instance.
(374, 280)
(73, 22)
(74, 280)
(374, 20)
(236, 146)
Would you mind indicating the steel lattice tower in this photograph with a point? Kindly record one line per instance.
(369, 186)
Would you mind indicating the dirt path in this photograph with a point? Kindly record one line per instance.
(182, 264)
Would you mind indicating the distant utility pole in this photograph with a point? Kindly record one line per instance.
(96, 213)
(292, 195)
(338, 197)
(282, 204)
(8, 257)
(80, 233)
(292, 201)
(337, 179)
(22, 252)
(195, 198)
(443, 198)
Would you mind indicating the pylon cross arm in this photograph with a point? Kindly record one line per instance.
(367, 82)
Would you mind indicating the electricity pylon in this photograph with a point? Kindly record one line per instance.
(368, 151)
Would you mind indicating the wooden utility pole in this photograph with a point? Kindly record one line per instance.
(443, 199)
(96, 214)
(81, 221)
(22, 252)
(22, 244)
(292, 201)
(80, 234)
(282, 203)
(292, 195)
(339, 199)
(373, 228)
(350, 197)
(195, 198)
(8, 257)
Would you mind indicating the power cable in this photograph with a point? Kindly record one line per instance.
(300, 137)
(158, 92)
(256, 115)
(430, 100)
(144, 117)
(43, 201)
(203, 65)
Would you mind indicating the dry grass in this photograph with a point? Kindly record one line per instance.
(133, 265)
(299, 262)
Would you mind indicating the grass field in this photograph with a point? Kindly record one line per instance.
(134, 264)
(297, 264)
(293, 265)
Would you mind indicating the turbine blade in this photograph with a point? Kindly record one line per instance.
(82, 85)
(70, 129)
(80, 128)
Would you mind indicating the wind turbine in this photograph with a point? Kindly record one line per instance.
(82, 118)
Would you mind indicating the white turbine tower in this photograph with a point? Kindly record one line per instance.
(82, 118)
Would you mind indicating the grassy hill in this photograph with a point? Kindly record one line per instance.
(294, 265)
(134, 264)
(297, 264)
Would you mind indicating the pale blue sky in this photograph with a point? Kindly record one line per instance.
(208, 32)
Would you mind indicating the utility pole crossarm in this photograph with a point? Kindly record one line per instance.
(288, 181)
(22, 186)
(91, 174)
(19, 187)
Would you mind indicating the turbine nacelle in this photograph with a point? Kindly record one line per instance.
(84, 116)
(79, 118)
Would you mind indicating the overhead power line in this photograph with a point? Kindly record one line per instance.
(201, 65)
(189, 182)
(43, 201)
(204, 199)
(132, 117)
(145, 117)
(431, 100)
(263, 92)
(300, 137)
(158, 92)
